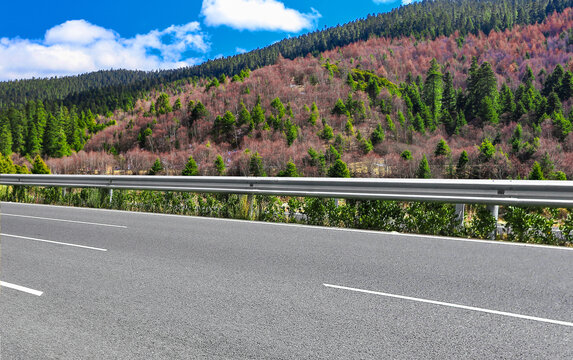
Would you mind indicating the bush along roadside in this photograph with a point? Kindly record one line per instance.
(522, 224)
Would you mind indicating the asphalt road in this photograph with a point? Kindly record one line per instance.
(145, 286)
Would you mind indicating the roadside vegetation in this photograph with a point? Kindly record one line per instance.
(527, 225)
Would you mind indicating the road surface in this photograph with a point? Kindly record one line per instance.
(98, 284)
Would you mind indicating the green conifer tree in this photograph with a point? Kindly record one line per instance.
(256, 166)
(536, 172)
(156, 168)
(442, 148)
(433, 89)
(289, 171)
(339, 169)
(39, 166)
(424, 169)
(378, 135)
(5, 139)
(191, 168)
(220, 165)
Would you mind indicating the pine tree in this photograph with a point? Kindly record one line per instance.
(220, 165)
(553, 104)
(528, 77)
(291, 132)
(424, 169)
(5, 139)
(17, 124)
(419, 124)
(406, 155)
(191, 168)
(258, 114)
(442, 148)
(156, 168)
(339, 108)
(279, 108)
(55, 143)
(289, 171)
(6, 165)
(177, 105)
(506, 100)
(162, 105)
(33, 146)
(433, 89)
(565, 91)
(224, 126)
(401, 118)
(462, 164)
(554, 81)
(486, 150)
(314, 114)
(536, 172)
(449, 96)
(378, 135)
(244, 115)
(39, 166)
(487, 111)
(327, 133)
(390, 124)
(199, 112)
(339, 170)
(256, 166)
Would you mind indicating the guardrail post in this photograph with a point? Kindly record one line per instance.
(494, 210)
(460, 210)
(110, 196)
(250, 202)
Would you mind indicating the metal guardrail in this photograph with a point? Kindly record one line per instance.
(491, 192)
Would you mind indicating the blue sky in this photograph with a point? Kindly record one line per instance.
(45, 38)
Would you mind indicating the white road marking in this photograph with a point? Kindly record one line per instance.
(63, 220)
(21, 288)
(53, 242)
(471, 308)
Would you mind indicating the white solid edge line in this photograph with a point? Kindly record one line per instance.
(53, 242)
(374, 232)
(64, 220)
(21, 288)
(471, 308)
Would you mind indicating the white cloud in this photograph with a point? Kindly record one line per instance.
(257, 15)
(77, 46)
(239, 50)
(78, 32)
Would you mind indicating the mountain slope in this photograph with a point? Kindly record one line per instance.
(103, 91)
(381, 105)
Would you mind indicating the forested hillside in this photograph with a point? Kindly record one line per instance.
(105, 91)
(484, 105)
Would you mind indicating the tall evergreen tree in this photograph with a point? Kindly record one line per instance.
(289, 171)
(220, 165)
(33, 145)
(256, 166)
(39, 166)
(191, 168)
(433, 89)
(5, 139)
(55, 143)
(339, 169)
(424, 169)
(449, 95)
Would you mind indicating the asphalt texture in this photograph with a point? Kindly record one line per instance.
(173, 287)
